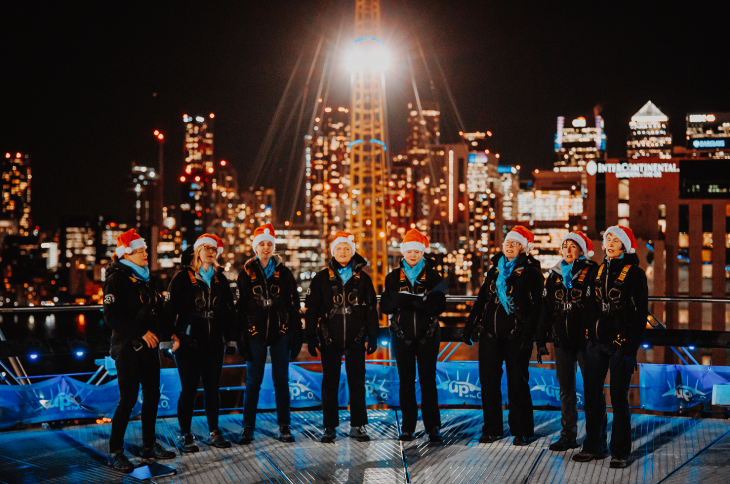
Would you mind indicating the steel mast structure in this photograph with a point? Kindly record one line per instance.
(368, 134)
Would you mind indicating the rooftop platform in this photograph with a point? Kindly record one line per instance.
(666, 450)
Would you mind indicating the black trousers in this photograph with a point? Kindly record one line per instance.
(204, 362)
(421, 356)
(492, 352)
(331, 369)
(597, 365)
(565, 371)
(135, 368)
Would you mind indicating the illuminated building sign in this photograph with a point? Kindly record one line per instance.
(708, 143)
(632, 170)
(701, 118)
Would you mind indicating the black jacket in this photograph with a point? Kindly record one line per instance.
(413, 324)
(267, 323)
(526, 283)
(131, 306)
(360, 305)
(198, 313)
(565, 312)
(620, 319)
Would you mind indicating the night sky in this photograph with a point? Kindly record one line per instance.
(84, 86)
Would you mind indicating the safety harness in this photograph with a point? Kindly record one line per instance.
(340, 306)
(491, 293)
(266, 297)
(418, 288)
(614, 296)
(565, 300)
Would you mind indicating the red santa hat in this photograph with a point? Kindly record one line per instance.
(343, 237)
(625, 235)
(128, 242)
(523, 236)
(583, 242)
(212, 240)
(414, 240)
(264, 233)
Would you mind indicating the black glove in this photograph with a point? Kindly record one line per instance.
(313, 346)
(466, 338)
(372, 344)
(542, 351)
(231, 350)
(245, 350)
(631, 364)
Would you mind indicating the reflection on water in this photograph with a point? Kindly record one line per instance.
(54, 325)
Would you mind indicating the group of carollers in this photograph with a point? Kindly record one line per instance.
(594, 315)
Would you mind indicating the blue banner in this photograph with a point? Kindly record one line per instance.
(665, 388)
(668, 388)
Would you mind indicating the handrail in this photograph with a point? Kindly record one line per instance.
(454, 299)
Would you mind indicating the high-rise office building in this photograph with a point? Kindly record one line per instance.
(141, 195)
(197, 179)
(708, 135)
(327, 159)
(649, 134)
(16, 177)
(579, 143)
(423, 129)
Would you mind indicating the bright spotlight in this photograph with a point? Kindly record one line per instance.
(367, 54)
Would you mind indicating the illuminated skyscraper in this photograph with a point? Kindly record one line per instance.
(15, 217)
(422, 132)
(577, 145)
(197, 179)
(708, 135)
(649, 134)
(141, 194)
(327, 156)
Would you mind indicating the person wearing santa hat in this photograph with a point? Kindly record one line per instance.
(567, 305)
(133, 310)
(199, 303)
(504, 318)
(341, 314)
(268, 312)
(614, 334)
(415, 333)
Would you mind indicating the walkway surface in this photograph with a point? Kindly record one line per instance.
(665, 450)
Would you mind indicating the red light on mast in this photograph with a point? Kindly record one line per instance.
(224, 162)
(160, 136)
(212, 115)
(182, 179)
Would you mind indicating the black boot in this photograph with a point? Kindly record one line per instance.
(156, 452)
(329, 436)
(285, 434)
(434, 436)
(186, 443)
(217, 440)
(119, 461)
(359, 434)
(246, 436)
(406, 437)
(563, 444)
(488, 439)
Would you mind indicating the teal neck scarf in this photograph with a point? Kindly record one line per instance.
(505, 270)
(412, 273)
(141, 272)
(269, 269)
(567, 270)
(345, 273)
(207, 275)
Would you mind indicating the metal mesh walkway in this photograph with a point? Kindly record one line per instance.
(666, 449)
(51, 456)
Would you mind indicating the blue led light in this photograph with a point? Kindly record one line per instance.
(645, 345)
(33, 356)
(79, 353)
(691, 348)
(360, 39)
(383, 342)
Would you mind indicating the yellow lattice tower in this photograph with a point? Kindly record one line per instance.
(368, 59)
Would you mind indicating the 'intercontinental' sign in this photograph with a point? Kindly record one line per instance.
(632, 170)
